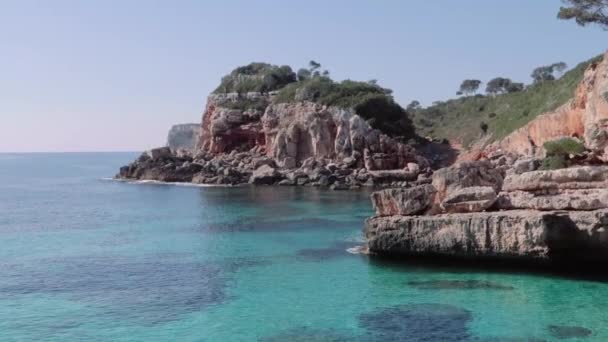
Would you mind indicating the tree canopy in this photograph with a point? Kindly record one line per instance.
(468, 87)
(585, 12)
(548, 72)
(501, 85)
(258, 77)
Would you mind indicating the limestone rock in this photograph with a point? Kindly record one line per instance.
(265, 174)
(586, 115)
(160, 152)
(517, 234)
(584, 177)
(401, 201)
(471, 199)
(464, 175)
(585, 199)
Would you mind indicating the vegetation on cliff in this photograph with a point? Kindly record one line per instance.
(256, 77)
(560, 151)
(465, 120)
(369, 100)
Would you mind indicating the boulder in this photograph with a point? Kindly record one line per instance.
(158, 153)
(265, 174)
(525, 165)
(464, 175)
(409, 201)
(472, 199)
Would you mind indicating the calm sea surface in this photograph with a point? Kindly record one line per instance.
(87, 259)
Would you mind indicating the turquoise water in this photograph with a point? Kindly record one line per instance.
(87, 259)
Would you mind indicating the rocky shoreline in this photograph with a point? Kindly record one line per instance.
(247, 139)
(505, 206)
(500, 206)
(166, 165)
(471, 211)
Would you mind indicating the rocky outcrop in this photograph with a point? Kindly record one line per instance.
(403, 201)
(232, 122)
(304, 143)
(471, 211)
(521, 234)
(184, 136)
(471, 199)
(585, 116)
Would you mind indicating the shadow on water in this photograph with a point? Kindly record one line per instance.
(147, 290)
(591, 272)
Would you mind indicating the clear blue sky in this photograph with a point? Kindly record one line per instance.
(115, 75)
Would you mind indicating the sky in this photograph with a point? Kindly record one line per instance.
(114, 75)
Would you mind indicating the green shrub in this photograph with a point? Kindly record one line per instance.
(606, 96)
(554, 162)
(246, 104)
(564, 146)
(369, 100)
(256, 77)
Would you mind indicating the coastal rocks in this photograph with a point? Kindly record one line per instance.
(464, 175)
(471, 199)
(158, 153)
(184, 136)
(403, 201)
(585, 199)
(295, 132)
(265, 174)
(584, 177)
(232, 122)
(516, 234)
(303, 144)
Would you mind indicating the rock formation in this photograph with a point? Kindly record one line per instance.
(585, 116)
(249, 138)
(183, 136)
(481, 210)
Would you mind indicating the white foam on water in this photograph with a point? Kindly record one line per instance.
(362, 249)
(155, 182)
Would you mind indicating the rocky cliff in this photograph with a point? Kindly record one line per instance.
(250, 138)
(486, 210)
(585, 116)
(183, 136)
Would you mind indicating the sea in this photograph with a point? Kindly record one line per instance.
(87, 258)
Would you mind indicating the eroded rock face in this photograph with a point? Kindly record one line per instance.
(530, 235)
(585, 199)
(471, 199)
(583, 177)
(585, 116)
(229, 125)
(295, 132)
(464, 175)
(403, 201)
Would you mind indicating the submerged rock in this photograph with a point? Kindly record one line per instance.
(418, 322)
(567, 331)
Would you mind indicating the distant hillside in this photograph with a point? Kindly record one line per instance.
(463, 120)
